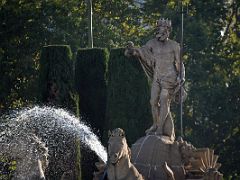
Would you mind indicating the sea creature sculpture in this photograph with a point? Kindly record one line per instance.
(119, 165)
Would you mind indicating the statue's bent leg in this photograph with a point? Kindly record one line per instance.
(164, 110)
(154, 101)
(168, 127)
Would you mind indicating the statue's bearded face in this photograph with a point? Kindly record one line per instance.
(162, 33)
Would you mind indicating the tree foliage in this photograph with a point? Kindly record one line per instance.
(26, 26)
(116, 22)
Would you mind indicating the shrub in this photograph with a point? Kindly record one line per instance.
(128, 97)
(56, 76)
(90, 80)
(56, 88)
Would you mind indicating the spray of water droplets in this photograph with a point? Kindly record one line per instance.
(48, 122)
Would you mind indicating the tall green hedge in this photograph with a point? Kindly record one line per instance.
(57, 88)
(128, 97)
(90, 80)
(56, 76)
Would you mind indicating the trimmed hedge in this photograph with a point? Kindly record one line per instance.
(128, 97)
(90, 82)
(56, 76)
(56, 88)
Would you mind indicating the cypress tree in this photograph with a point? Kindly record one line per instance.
(56, 88)
(56, 76)
(128, 97)
(90, 82)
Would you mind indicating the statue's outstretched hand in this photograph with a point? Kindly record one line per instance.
(130, 45)
(131, 50)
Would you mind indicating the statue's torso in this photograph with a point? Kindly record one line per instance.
(164, 55)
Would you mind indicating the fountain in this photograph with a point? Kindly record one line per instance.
(32, 135)
(45, 130)
(157, 155)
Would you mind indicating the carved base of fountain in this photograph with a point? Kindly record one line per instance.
(150, 153)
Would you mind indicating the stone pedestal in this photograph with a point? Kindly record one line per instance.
(159, 158)
(152, 153)
(149, 154)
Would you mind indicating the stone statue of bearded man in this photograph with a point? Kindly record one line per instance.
(160, 59)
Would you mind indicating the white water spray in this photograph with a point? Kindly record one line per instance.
(48, 121)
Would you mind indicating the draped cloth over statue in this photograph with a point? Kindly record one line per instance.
(147, 61)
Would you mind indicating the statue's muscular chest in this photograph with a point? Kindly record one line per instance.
(163, 50)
